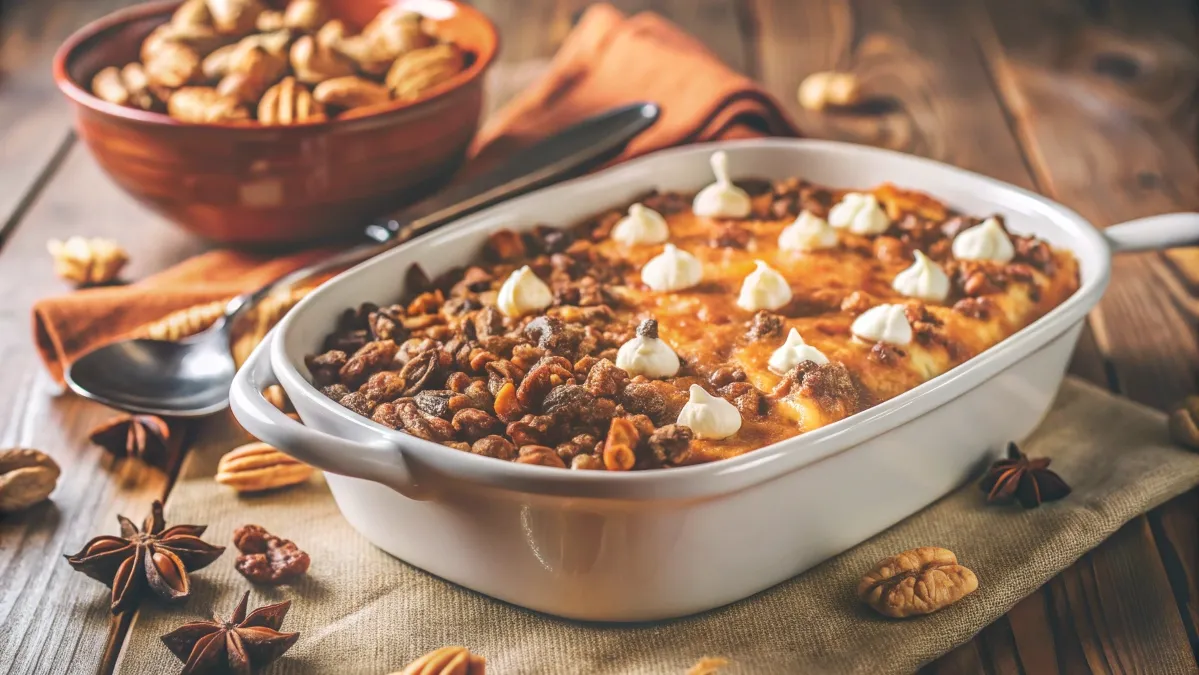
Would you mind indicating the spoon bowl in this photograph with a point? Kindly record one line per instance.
(189, 378)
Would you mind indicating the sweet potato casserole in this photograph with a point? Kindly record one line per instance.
(690, 328)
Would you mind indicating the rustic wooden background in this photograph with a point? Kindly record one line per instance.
(1093, 102)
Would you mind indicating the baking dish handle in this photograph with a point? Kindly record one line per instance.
(380, 460)
(1168, 230)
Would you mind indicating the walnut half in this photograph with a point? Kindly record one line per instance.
(920, 581)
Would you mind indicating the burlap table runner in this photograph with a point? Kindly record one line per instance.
(361, 611)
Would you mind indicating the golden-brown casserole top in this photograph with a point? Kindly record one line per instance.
(522, 364)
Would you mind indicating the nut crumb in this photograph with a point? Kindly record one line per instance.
(87, 261)
(821, 90)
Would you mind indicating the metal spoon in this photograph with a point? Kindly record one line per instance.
(191, 377)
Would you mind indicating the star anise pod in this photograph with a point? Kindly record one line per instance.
(145, 437)
(154, 559)
(1028, 481)
(239, 646)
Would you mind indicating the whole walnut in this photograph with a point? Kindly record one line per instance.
(420, 70)
(920, 581)
(26, 478)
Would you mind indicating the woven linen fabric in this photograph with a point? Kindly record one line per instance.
(360, 611)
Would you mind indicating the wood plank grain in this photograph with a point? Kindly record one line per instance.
(919, 61)
(35, 118)
(56, 620)
(1103, 96)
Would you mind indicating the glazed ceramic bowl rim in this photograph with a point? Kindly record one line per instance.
(776, 459)
(82, 96)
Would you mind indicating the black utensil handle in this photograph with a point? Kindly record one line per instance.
(567, 153)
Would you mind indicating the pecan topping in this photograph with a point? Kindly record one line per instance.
(620, 448)
(765, 326)
(1018, 478)
(243, 644)
(267, 559)
(915, 582)
(154, 559)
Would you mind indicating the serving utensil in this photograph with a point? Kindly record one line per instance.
(191, 377)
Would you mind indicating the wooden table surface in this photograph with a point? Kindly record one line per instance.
(1092, 102)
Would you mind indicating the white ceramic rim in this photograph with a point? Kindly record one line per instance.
(692, 482)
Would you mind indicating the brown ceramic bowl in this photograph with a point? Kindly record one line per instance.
(253, 185)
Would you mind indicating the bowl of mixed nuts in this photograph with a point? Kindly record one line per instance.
(279, 122)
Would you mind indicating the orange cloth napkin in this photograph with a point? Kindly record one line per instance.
(606, 61)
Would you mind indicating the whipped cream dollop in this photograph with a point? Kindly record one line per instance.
(924, 280)
(721, 199)
(987, 241)
(647, 354)
(672, 270)
(523, 293)
(809, 232)
(709, 416)
(794, 352)
(884, 323)
(764, 288)
(643, 225)
(859, 213)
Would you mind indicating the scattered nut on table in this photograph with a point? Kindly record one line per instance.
(1184, 423)
(446, 661)
(821, 90)
(87, 261)
(267, 559)
(27, 477)
(920, 581)
(256, 467)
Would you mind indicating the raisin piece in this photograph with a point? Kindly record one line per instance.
(325, 367)
(474, 424)
(359, 403)
(434, 403)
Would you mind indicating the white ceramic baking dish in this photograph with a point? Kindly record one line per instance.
(655, 544)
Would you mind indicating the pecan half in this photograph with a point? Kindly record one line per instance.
(255, 467)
